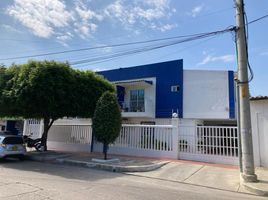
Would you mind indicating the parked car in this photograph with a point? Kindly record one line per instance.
(12, 146)
(6, 133)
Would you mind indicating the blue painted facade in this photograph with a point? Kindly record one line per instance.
(231, 95)
(167, 74)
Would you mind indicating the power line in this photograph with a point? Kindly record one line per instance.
(117, 36)
(258, 19)
(105, 46)
(113, 45)
(150, 48)
(105, 59)
(180, 50)
(177, 51)
(124, 44)
(97, 47)
(186, 20)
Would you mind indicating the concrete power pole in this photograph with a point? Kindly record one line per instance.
(248, 173)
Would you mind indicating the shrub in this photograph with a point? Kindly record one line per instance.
(107, 120)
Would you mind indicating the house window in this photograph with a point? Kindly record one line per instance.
(175, 88)
(137, 100)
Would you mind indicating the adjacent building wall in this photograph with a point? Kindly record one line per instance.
(259, 121)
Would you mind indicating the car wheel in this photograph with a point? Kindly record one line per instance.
(39, 147)
(21, 158)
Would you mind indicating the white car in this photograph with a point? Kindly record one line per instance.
(12, 146)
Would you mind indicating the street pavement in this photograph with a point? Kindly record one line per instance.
(37, 180)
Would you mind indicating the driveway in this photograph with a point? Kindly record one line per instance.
(36, 180)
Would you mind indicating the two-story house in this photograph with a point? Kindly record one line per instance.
(151, 94)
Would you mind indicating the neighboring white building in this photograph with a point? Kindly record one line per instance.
(259, 121)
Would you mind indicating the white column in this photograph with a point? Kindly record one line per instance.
(175, 137)
(25, 126)
(41, 128)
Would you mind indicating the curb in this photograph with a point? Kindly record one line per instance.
(254, 189)
(45, 158)
(112, 168)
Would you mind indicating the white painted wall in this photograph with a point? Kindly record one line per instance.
(205, 94)
(164, 121)
(259, 121)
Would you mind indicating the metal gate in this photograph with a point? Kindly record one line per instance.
(216, 144)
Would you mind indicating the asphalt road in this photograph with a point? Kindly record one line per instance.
(33, 180)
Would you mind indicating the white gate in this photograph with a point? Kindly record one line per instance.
(33, 127)
(216, 144)
(64, 135)
(69, 137)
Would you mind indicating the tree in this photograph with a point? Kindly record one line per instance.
(107, 120)
(50, 90)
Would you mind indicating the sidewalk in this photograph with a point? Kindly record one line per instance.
(260, 187)
(223, 177)
(217, 176)
(114, 164)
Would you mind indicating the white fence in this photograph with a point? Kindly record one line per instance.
(152, 137)
(218, 144)
(145, 140)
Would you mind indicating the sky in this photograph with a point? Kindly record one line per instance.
(33, 27)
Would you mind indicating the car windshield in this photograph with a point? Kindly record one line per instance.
(13, 140)
(5, 133)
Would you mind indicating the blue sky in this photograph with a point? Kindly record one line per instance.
(29, 27)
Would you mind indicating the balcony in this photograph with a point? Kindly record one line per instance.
(136, 97)
(135, 109)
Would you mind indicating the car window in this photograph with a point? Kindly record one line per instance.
(6, 133)
(13, 140)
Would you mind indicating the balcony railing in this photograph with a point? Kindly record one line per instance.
(132, 106)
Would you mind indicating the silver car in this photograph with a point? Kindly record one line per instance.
(12, 146)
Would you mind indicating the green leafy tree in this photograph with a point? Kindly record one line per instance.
(50, 90)
(107, 120)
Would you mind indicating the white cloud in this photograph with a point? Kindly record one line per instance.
(225, 58)
(42, 17)
(47, 18)
(87, 14)
(63, 39)
(196, 10)
(146, 13)
(86, 20)
(164, 28)
(52, 18)
(85, 30)
(10, 28)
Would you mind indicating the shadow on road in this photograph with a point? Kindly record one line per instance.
(42, 169)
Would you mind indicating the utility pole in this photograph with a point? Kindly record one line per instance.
(248, 174)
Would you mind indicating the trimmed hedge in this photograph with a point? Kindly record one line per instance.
(107, 120)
